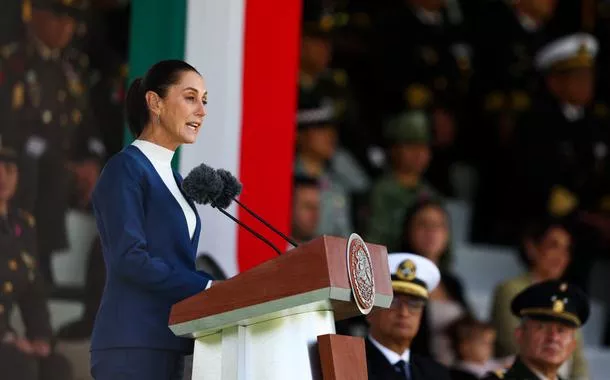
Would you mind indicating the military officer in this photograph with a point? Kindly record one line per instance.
(318, 79)
(550, 313)
(563, 144)
(392, 330)
(505, 83)
(316, 157)
(408, 137)
(30, 356)
(48, 120)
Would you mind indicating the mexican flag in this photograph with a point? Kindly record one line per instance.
(248, 53)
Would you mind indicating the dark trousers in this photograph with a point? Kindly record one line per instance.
(137, 364)
(17, 365)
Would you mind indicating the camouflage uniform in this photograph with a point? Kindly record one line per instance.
(389, 198)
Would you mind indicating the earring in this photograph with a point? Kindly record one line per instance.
(158, 119)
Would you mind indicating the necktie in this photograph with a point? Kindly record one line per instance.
(402, 367)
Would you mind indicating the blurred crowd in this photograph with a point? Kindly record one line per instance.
(403, 105)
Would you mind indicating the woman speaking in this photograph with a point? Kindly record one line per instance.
(149, 230)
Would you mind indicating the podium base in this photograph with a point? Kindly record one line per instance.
(278, 348)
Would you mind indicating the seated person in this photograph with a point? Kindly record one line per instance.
(473, 344)
(550, 314)
(546, 247)
(30, 356)
(426, 232)
(388, 346)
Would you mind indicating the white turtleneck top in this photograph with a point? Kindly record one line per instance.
(161, 159)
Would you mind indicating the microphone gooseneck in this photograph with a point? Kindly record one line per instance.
(289, 240)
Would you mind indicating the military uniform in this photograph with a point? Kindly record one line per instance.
(505, 84)
(334, 84)
(335, 202)
(563, 149)
(548, 301)
(49, 121)
(21, 285)
(390, 199)
(415, 276)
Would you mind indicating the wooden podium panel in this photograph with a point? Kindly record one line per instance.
(342, 357)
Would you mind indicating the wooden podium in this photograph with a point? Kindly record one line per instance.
(277, 320)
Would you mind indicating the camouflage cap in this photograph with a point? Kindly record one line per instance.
(72, 8)
(408, 127)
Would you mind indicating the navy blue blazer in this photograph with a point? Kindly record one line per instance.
(149, 255)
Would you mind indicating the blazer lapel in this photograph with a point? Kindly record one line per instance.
(195, 239)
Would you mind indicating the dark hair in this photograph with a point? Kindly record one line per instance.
(535, 231)
(463, 329)
(410, 214)
(158, 79)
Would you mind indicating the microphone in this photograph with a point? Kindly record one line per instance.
(205, 186)
(232, 187)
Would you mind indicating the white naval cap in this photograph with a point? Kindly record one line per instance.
(573, 51)
(413, 274)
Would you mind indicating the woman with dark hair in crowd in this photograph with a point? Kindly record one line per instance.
(427, 233)
(546, 249)
(149, 230)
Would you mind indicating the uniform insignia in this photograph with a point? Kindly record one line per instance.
(47, 116)
(76, 87)
(12, 265)
(406, 271)
(29, 218)
(561, 201)
(494, 101)
(26, 11)
(18, 95)
(558, 306)
(340, 78)
(8, 287)
(429, 55)
(28, 260)
(327, 22)
(77, 116)
(520, 100)
(418, 96)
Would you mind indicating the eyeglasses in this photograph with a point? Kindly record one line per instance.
(412, 303)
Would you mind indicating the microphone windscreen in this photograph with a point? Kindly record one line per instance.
(203, 185)
(232, 188)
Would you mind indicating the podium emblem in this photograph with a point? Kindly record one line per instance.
(360, 273)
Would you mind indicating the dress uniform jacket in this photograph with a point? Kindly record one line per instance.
(422, 368)
(419, 63)
(46, 117)
(562, 161)
(505, 324)
(518, 371)
(22, 286)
